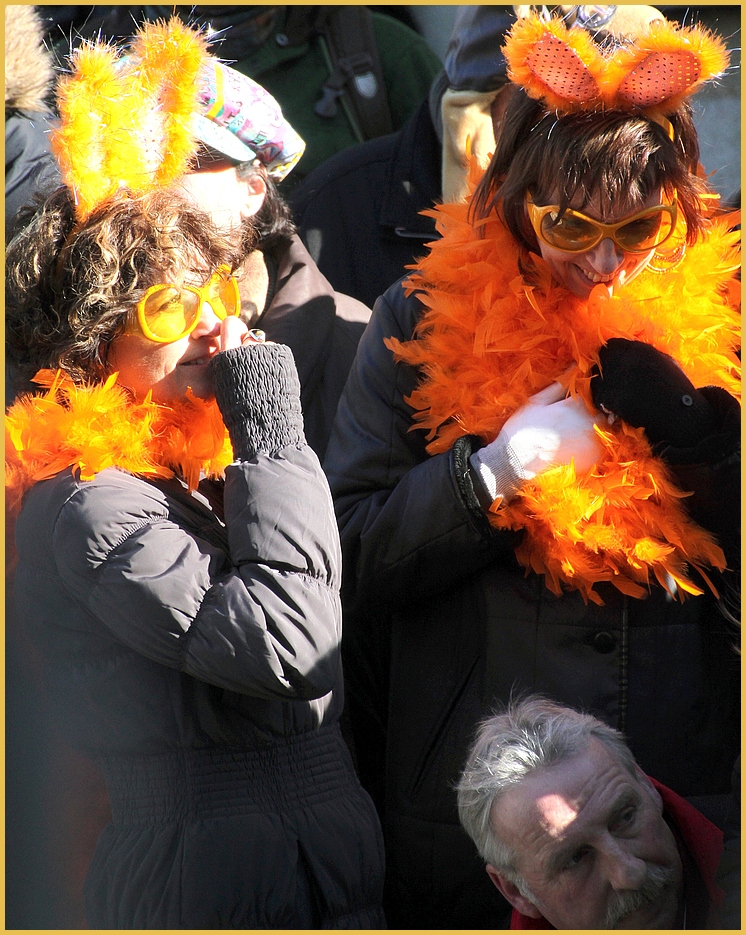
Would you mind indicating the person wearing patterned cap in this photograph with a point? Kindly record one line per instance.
(247, 148)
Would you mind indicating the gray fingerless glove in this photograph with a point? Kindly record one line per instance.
(258, 393)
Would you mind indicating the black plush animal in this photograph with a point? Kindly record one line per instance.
(647, 388)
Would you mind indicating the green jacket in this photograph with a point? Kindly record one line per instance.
(295, 76)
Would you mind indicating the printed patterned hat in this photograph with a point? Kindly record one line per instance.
(243, 121)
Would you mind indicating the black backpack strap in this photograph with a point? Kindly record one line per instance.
(356, 77)
(302, 23)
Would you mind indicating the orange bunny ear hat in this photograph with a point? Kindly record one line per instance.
(126, 121)
(652, 74)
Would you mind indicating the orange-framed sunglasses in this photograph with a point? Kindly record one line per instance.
(574, 232)
(168, 312)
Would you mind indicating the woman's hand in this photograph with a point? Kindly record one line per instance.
(551, 430)
(647, 388)
(235, 333)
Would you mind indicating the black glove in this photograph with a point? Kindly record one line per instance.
(646, 388)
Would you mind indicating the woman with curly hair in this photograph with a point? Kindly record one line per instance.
(535, 462)
(178, 570)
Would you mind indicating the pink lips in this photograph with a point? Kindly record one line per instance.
(202, 360)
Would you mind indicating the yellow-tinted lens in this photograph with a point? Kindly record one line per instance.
(574, 232)
(223, 295)
(169, 313)
(568, 232)
(645, 233)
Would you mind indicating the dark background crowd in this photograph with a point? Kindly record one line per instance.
(363, 87)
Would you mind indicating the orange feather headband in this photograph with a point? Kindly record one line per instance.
(126, 121)
(488, 340)
(653, 74)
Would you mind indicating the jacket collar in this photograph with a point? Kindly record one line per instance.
(301, 312)
(413, 182)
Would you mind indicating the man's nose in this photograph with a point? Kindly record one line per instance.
(606, 257)
(625, 870)
(208, 323)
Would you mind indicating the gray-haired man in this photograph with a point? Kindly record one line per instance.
(575, 835)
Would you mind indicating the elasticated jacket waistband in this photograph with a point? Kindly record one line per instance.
(188, 784)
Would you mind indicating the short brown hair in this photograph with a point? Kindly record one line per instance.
(619, 157)
(70, 288)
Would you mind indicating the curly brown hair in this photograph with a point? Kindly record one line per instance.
(71, 288)
(620, 157)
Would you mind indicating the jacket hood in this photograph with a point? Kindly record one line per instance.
(29, 69)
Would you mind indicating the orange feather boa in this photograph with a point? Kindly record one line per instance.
(488, 340)
(98, 426)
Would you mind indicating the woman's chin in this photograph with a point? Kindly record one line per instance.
(195, 378)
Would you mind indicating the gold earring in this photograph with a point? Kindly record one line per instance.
(665, 262)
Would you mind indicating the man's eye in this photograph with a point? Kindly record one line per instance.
(578, 857)
(626, 819)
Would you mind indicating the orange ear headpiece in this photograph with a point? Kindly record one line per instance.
(126, 121)
(652, 75)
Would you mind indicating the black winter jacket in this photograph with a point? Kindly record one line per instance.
(29, 77)
(468, 627)
(358, 212)
(321, 327)
(29, 164)
(192, 648)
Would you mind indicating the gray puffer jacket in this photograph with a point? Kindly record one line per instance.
(192, 648)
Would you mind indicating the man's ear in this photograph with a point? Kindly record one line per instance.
(511, 892)
(257, 192)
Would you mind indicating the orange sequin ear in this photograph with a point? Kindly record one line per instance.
(653, 74)
(552, 66)
(665, 66)
(562, 70)
(659, 77)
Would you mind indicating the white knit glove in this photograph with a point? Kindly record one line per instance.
(549, 430)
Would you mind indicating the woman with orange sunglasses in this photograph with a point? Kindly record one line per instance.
(178, 568)
(535, 459)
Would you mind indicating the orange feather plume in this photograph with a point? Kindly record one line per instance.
(488, 340)
(93, 427)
